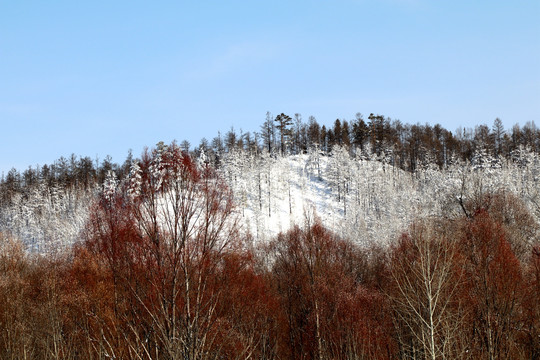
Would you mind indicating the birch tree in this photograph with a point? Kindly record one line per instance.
(424, 294)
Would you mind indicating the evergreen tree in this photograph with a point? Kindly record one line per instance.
(377, 132)
(283, 125)
(313, 132)
(336, 139)
(498, 134)
(345, 135)
(360, 132)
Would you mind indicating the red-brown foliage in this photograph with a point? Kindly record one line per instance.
(326, 312)
(495, 287)
(163, 272)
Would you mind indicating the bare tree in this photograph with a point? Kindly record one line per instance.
(424, 294)
(178, 225)
(268, 133)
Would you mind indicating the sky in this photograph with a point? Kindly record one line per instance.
(97, 78)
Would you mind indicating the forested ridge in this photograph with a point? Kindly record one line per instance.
(47, 206)
(403, 145)
(366, 239)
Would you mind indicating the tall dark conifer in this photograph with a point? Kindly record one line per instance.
(283, 125)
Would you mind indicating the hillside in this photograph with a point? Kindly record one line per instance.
(364, 198)
(381, 259)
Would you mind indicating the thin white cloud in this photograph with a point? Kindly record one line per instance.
(233, 58)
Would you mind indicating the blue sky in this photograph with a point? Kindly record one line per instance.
(102, 77)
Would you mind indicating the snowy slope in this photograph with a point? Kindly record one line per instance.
(365, 199)
(47, 219)
(368, 204)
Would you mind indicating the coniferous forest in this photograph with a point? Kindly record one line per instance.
(362, 239)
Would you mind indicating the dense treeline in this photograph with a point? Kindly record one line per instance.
(403, 145)
(165, 271)
(76, 173)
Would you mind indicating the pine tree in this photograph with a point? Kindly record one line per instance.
(360, 132)
(283, 125)
(313, 132)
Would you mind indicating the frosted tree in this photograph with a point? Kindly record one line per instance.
(314, 161)
(134, 180)
(339, 174)
(268, 133)
(109, 186)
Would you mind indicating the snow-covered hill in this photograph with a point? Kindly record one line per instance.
(365, 199)
(362, 198)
